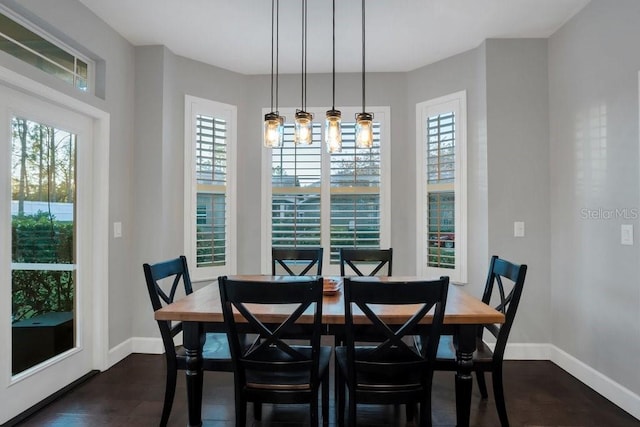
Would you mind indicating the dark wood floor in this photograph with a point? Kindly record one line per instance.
(131, 394)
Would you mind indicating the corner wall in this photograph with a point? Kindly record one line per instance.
(518, 173)
(595, 181)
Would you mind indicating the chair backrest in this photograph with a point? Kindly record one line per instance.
(270, 351)
(391, 353)
(508, 278)
(164, 281)
(373, 259)
(296, 261)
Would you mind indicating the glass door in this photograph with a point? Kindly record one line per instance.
(43, 229)
(45, 192)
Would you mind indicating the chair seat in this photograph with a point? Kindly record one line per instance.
(447, 353)
(380, 379)
(216, 354)
(290, 379)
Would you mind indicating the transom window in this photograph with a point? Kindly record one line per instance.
(330, 200)
(32, 45)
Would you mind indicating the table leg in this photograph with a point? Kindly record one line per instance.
(193, 338)
(466, 345)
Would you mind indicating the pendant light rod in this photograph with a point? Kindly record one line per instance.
(333, 69)
(305, 54)
(303, 129)
(273, 122)
(333, 117)
(364, 120)
(303, 57)
(277, 48)
(363, 50)
(272, 47)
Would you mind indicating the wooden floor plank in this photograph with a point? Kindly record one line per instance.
(539, 394)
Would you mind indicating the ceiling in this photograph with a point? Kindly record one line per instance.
(401, 35)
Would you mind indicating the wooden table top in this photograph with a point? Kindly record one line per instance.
(204, 305)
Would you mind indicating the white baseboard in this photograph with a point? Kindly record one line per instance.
(611, 390)
(119, 352)
(135, 345)
(147, 345)
(528, 351)
(616, 393)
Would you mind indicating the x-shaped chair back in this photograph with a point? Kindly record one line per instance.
(297, 261)
(391, 353)
(176, 271)
(508, 279)
(375, 259)
(240, 301)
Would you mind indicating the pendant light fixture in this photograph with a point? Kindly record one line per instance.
(364, 121)
(273, 122)
(303, 126)
(333, 128)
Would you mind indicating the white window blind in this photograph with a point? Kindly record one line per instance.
(441, 167)
(209, 181)
(355, 194)
(211, 172)
(441, 186)
(328, 200)
(296, 191)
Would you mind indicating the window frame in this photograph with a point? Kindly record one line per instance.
(456, 103)
(383, 116)
(44, 35)
(195, 106)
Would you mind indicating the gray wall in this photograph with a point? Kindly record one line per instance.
(466, 71)
(507, 166)
(593, 107)
(162, 81)
(401, 91)
(518, 173)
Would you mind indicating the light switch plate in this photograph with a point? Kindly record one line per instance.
(626, 234)
(117, 229)
(518, 229)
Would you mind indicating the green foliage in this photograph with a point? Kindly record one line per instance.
(37, 292)
(40, 239)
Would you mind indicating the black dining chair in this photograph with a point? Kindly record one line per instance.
(273, 370)
(507, 280)
(164, 280)
(366, 262)
(389, 370)
(296, 261)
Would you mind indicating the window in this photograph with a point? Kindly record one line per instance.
(441, 171)
(331, 200)
(31, 45)
(209, 181)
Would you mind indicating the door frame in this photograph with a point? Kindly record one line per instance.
(99, 274)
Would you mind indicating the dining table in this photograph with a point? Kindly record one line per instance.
(201, 312)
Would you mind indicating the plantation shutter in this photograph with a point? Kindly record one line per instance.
(355, 194)
(441, 161)
(296, 188)
(211, 195)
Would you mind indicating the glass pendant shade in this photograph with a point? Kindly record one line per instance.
(364, 130)
(273, 130)
(333, 131)
(303, 128)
